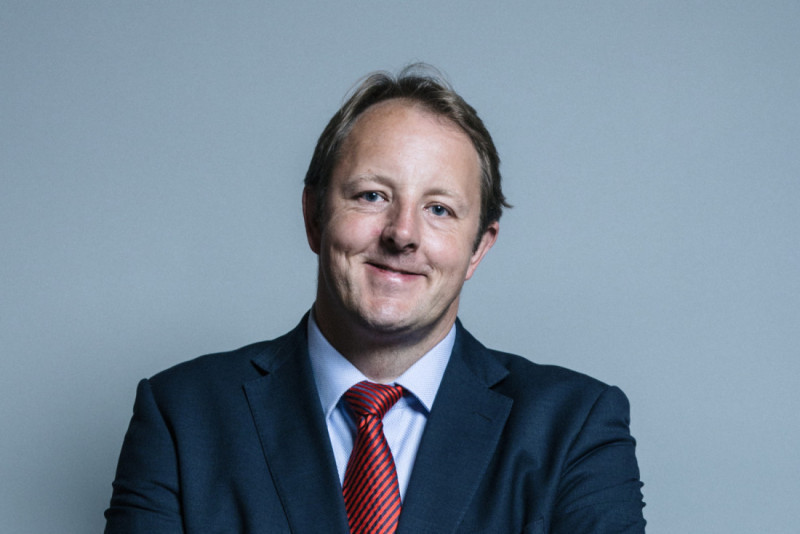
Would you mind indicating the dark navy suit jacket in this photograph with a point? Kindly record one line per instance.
(237, 442)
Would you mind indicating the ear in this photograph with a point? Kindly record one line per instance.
(310, 219)
(487, 240)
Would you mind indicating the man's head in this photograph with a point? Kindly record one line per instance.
(401, 204)
(423, 86)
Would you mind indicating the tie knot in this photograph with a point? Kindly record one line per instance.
(368, 398)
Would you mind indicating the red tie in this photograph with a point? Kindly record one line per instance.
(371, 492)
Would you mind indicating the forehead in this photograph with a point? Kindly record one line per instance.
(402, 129)
(401, 114)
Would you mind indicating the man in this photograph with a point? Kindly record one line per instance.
(380, 412)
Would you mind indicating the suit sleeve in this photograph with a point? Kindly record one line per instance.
(600, 491)
(146, 487)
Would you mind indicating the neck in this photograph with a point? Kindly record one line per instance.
(381, 356)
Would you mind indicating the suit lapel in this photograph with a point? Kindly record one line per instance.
(286, 409)
(460, 437)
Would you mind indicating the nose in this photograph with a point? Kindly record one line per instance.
(401, 232)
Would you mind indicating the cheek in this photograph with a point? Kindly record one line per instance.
(351, 234)
(450, 249)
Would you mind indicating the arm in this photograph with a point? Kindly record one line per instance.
(146, 488)
(600, 489)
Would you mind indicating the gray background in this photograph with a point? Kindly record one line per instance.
(152, 153)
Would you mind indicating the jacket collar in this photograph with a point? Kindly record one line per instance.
(460, 438)
(288, 417)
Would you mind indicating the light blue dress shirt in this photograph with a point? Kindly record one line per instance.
(403, 424)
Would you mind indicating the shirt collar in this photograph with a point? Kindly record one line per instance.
(334, 374)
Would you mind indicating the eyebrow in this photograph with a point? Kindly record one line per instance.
(356, 181)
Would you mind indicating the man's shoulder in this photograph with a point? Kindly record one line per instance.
(238, 365)
(525, 372)
(512, 372)
(554, 397)
(539, 391)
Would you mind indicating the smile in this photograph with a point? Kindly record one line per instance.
(388, 269)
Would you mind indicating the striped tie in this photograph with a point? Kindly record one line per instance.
(371, 493)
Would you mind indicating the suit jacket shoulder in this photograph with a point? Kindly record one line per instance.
(231, 366)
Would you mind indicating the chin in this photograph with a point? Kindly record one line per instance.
(387, 320)
(385, 324)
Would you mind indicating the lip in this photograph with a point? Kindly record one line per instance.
(392, 270)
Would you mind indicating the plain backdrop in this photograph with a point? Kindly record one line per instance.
(151, 165)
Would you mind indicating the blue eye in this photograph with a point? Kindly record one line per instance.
(439, 210)
(370, 196)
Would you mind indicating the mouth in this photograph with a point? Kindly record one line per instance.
(394, 270)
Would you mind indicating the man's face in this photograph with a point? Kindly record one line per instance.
(396, 241)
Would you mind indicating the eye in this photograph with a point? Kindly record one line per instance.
(370, 196)
(439, 210)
